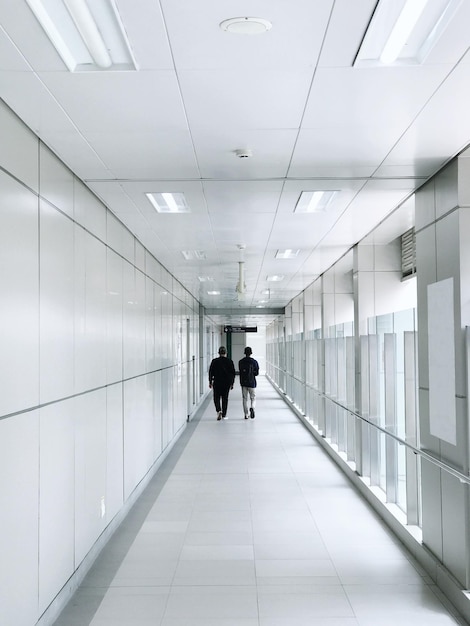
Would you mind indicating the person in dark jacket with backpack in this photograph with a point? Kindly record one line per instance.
(221, 379)
(249, 369)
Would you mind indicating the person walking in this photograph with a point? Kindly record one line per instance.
(221, 379)
(249, 369)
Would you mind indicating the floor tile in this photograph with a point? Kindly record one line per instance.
(252, 524)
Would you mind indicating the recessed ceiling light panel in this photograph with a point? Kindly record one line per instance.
(88, 36)
(192, 255)
(314, 201)
(275, 278)
(168, 202)
(246, 25)
(287, 254)
(403, 33)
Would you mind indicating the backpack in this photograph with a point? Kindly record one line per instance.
(247, 372)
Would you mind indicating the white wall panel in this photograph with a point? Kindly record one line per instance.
(90, 311)
(391, 294)
(130, 322)
(446, 189)
(464, 245)
(138, 437)
(157, 413)
(90, 470)
(149, 325)
(119, 238)
(140, 313)
(344, 308)
(167, 406)
(114, 312)
(159, 339)
(22, 161)
(448, 265)
(464, 181)
(427, 273)
(56, 499)
(56, 181)
(89, 212)
(102, 319)
(139, 256)
(153, 268)
(453, 526)
(19, 311)
(425, 206)
(114, 451)
(388, 257)
(432, 515)
(19, 488)
(56, 304)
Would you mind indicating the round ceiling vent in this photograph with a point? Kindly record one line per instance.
(246, 25)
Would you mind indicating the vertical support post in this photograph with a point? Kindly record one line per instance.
(466, 464)
(391, 460)
(411, 430)
(374, 436)
(363, 430)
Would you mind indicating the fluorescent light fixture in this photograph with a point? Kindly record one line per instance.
(314, 201)
(191, 255)
(214, 293)
(87, 36)
(287, 254)
(168, 202)
(205, 279)
(275, 278)
(402, 32)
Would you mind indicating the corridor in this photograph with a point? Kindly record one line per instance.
(249, 523)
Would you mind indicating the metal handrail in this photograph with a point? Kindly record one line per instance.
(463, 478)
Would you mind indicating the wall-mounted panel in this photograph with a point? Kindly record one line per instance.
(19, 286)
(427, 273)
(119, 238)
(89, 212)
(19, 149)
(56, 181)
(56, 304)
(425, 206)
(90, 311)
(90, 470)
(56, 499)
(19, 506)
(114, 313)
(114, 451)
(446, 189)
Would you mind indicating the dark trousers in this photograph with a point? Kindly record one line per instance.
(221, 397)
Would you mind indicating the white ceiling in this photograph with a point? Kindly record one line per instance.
(291, 96)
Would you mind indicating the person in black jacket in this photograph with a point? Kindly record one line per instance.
(249, 369)
(221, 379)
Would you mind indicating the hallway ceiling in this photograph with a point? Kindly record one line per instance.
(291, 96)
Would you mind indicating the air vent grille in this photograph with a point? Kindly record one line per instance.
(408, 254)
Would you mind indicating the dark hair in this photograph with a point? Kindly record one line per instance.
(222, 350)
(248, 351)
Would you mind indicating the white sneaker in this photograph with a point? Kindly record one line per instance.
(219, 415)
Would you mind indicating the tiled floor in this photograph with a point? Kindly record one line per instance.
(249, 523)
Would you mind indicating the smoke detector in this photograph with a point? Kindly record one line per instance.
(244, 153)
